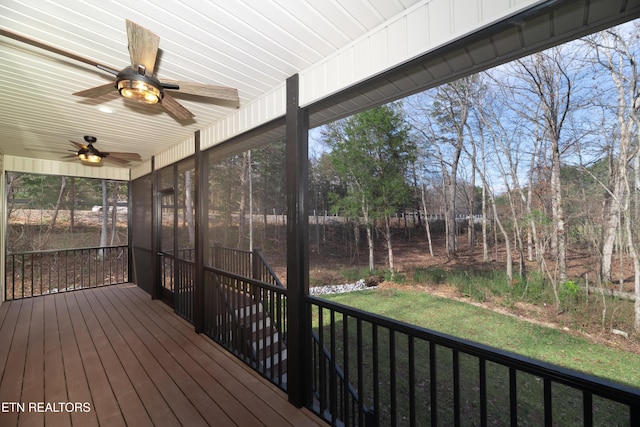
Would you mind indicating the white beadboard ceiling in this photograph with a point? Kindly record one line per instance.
(252, 45)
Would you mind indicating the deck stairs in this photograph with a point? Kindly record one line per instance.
(264, 344)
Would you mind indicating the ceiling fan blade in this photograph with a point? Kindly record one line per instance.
(57, 51)
(175, 108)
(78, 145)
(210, 91)
(143, 46)
(126, 156)
(97, 91)
(115, 160)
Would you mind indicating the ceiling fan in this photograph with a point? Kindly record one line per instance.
(90, 155)
(138, 81)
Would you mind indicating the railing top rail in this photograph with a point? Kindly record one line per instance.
(249, 280)
(65, 250)
(244, 251)
(269, 269)
(602, 387)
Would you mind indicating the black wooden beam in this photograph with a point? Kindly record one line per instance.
(298, 354)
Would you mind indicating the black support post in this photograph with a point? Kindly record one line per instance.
(130, 258)
(298, 357)
(155, 224)
(201, 237)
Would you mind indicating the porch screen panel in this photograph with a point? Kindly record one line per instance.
(141, 232)
(245, 248)
(185, 234)
(247, 204)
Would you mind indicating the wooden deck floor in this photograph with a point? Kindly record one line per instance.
(113, 357)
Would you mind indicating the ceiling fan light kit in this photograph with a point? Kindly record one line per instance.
(87, 154)
(138, 86)
(89, 158)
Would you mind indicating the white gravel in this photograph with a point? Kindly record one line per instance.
(338, 289)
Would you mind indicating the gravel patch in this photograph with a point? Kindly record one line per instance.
(339, 289)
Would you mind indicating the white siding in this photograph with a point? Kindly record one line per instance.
(263, 110)
(178, 152)
(53, 167)
(141, 170)
(421, 29)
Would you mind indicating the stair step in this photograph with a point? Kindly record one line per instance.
(277, 369)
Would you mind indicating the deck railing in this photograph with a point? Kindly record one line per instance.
(406, 375)
(34, 273)
(248, 318)
(177, 275)
(244, 263)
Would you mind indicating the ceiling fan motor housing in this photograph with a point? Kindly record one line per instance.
(139, 86)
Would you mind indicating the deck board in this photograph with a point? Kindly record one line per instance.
(76, 384)
(11, 386)
(132, 360)
(55, 389)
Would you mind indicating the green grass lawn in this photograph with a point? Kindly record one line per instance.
(498, 330)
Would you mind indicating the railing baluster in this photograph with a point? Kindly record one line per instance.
(360, 365)
(548, 407)
(376, 373)
(587, 409)
(513, 397)
(323, 375)
(433, 371)
(456, 388)
(483, 392)
(634, 415)
(412, 380)
(333, 379)
(345, 366)
(392, 374)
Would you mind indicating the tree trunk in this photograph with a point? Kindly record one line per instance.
(427, 224)
(105, 217)
(52, 224)
(610, 224)
(114, 212)
(450, 221)
(243, 198)
(558, 212)
(372, 265)
(188, 208)
(72, 210)
(505, 235)
(485, 244)
(369, 228)
(387, 236)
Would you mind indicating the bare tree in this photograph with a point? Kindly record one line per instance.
(614, 52)
(105, 216)
(56, 210)
(548, 80)
(615, 55)
(443, 122)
